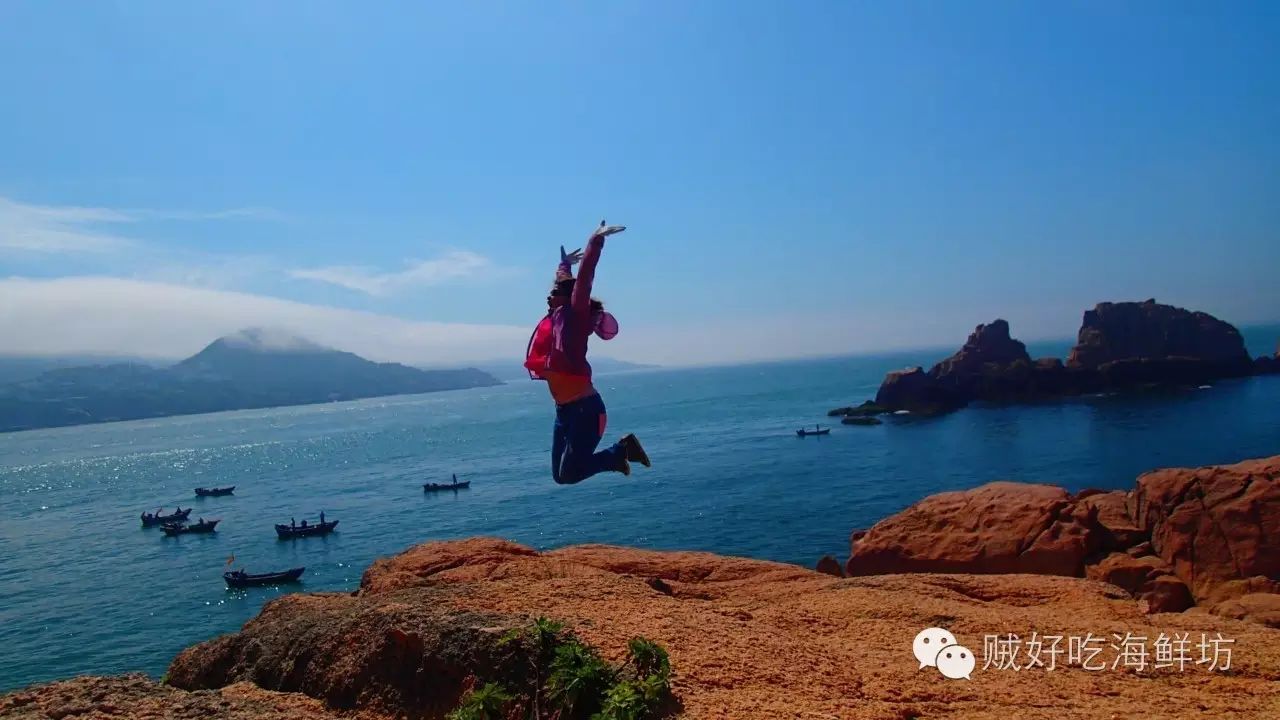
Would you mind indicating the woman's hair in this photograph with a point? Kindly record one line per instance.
(564, 288)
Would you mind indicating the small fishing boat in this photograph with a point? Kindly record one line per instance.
(204, 526)
(288, 532)
(815, 431)
(242, 579)
(215, 492)
(455, 485)
(152, 520)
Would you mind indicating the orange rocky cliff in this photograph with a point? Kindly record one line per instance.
(1205, 536)
(755, 639)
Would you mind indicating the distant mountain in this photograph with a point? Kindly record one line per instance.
(15, 368)
(251, 369)
(514, 369)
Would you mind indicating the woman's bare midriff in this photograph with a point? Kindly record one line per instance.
(566, 388)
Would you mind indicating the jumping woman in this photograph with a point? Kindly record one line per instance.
(558, 354)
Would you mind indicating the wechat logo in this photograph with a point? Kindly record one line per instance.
(935, 647)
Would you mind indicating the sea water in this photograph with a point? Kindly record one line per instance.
(84, 589)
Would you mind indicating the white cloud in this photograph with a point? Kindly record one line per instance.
(240, 213)
(49, 229)
(69, 229)
(454, 265)
(113, 316)
(270, 339)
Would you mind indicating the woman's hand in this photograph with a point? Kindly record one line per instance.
(607, 230)
(570, 259)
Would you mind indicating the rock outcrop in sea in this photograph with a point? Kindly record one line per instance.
(1120, 346)
(757, 639)
(1183, 537)
(1128, 331)
(1267, 364)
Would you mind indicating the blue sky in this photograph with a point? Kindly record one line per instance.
(798, 178)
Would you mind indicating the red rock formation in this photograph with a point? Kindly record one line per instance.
(1148, 330)
(990, 366)
(1204, 535)
(1119, 529)
(1262, 608)
(387, 651)
(912, 389)
(988, 344)
(830, 566)
(137, 697)
(748, 639)
(1167, 594)
(1268, 364)
(1214, 524)
(1001, 527)
(1120, 346)
(1130, 573)
(1146, 577)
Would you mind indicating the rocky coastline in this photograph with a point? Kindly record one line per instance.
(1187, 551)
(1204, 537)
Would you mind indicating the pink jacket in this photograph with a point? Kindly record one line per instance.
(559, 343)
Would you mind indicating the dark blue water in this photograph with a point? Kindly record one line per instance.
(84, 590)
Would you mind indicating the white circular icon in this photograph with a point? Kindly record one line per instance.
(955, 662)
(927, 644)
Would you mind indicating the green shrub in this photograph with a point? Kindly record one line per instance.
(648, 658)
(624, 701)
(486, 703)
(579, 678)
(654, 688)
(570, 680)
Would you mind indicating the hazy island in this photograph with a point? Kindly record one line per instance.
(253, 368)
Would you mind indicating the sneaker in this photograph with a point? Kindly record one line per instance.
(631, 445)
(624, 467)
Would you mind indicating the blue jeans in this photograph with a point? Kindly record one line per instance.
(579, 428)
